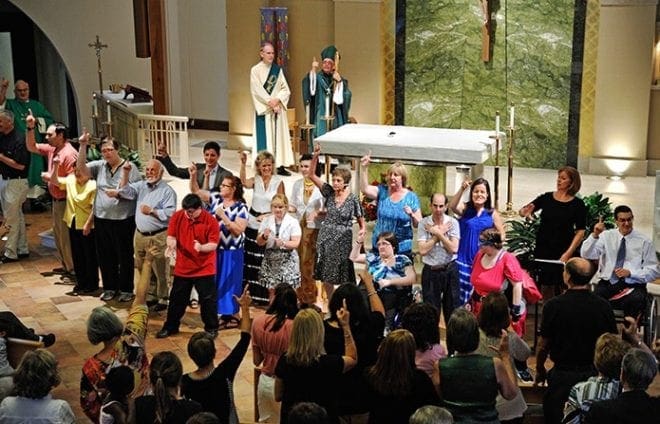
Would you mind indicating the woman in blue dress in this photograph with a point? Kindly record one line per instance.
(475, 215)
(231, 212)
(398, 208)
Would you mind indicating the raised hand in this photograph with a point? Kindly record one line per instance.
(243, 156)
(84, 137)
(192, 170)
(161, 150)
(30, 120)
(343, 315)
(599, 227)
(366, 159)
(317, 150)
(245, 300)
(315, 64)
(127, 166)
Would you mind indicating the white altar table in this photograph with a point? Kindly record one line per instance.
(410, 144)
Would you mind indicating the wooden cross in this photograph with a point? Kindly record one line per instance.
(97, 45)
(485, 31)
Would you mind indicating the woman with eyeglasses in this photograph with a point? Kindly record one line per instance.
(280, 234)
(393, 275)
(229, 208)
(496, 270)
(333, 247)
(562, 227)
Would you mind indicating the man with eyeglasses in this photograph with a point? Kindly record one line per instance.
(57, 146)
(626, 262)
(437, 237)
(22, 106)
(156, 203)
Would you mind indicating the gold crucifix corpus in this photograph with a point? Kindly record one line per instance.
(485, 32)
(98, 46)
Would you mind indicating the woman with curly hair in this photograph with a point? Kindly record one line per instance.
(35, 377)
(422, 320)
(166, 404)
(396, 388)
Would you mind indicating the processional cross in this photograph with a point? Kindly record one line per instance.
(98, 46)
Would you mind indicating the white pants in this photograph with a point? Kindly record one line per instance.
(269, 409)
(12, 195)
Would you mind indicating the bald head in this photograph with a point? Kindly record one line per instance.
(578, 272)
(22, 90)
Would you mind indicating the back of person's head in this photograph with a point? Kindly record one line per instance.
(306, 342)
(165, 373)
(393, 373)
(579, 271)
(431, 414)
(462, 332)
(36, 375)
(203, 418)
(494, 315)
(201, 348)
(308, 413)
(103, 325)
(191, 201)
(609, 352)
(354, 302)
(284, 305)
(120, 382)
(638, 369)
(422, 320)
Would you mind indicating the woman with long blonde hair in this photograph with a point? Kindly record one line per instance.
(305, 360)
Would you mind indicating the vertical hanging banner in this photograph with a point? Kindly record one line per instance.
(275, 30)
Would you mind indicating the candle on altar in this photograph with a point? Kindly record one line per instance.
(307, 114)
(94, 106)
(108, 103)
(511, 116)
(497, 124)
(327, 105)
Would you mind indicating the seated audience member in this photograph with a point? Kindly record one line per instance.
(493, 319)
(6, 370)
(304, 361)
(367, 325)
(13, 327)
(431, 414)
(422, 320)
(626, 262)
(468, 383)
(570, 325)
(393, 274)
(122, 345)
(212, 386)
(308, 413)
(203, 418)
(165, 405)
(35, 377)
(119, 383)
(633, 405)
(270, 338)
(396, 388)
(610, 350)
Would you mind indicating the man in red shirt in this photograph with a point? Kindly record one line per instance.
(193, 236)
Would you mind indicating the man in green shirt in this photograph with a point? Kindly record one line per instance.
(20, 106)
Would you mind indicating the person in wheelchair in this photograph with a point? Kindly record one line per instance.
(626, 262)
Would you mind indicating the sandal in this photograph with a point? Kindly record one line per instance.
(194, 303)
(227, 322)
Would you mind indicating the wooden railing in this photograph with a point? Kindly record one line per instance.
(133, 125)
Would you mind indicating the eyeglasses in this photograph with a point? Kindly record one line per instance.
(226, 185)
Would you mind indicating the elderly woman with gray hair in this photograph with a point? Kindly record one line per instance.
(36, 376)
(122, 345)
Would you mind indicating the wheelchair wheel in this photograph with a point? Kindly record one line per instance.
(650, 327)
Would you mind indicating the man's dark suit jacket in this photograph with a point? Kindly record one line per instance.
(635, 407)
(175, 171)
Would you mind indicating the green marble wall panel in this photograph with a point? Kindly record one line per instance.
(448, 85)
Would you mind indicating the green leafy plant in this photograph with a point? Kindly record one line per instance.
(598, 206)
(93, 153)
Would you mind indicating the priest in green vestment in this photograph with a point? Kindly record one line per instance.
(20, 107)
(326, 93)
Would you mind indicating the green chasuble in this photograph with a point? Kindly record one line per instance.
(20, 111)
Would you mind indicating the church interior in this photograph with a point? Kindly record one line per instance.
(583, 75)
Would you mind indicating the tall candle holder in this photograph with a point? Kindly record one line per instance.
(329, 120)
(509, 212)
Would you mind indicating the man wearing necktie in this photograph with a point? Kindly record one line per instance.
(626, 262)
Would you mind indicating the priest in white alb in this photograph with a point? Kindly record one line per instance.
(270, 95)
